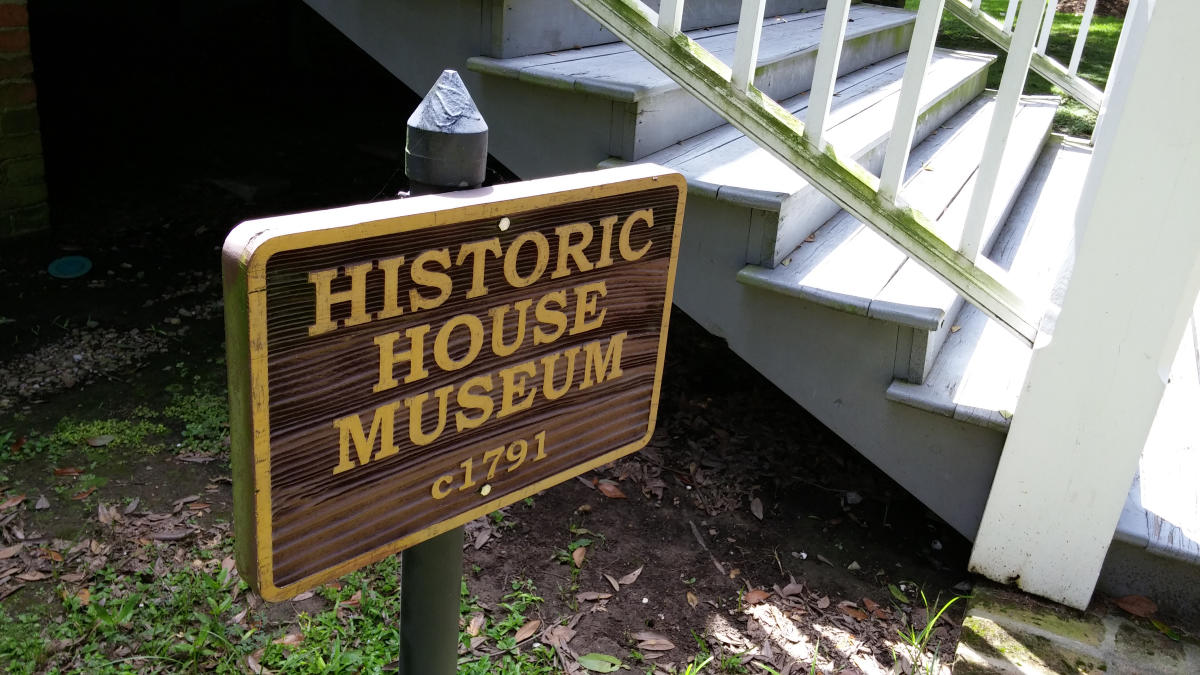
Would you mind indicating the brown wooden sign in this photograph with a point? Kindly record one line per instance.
(397, 369)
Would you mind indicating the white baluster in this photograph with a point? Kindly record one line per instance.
(1084, 24)
(1016, 67)
(745, 49)
(1010, 15)
(833, 35)
(975, 4)
(929, 15)
(670, 16)
(1047, 24)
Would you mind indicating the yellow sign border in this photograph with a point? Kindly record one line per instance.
(246, 252)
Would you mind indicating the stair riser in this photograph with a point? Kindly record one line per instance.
(524, 27)
(672, 117)
(833, 364)
(927, 343)
(538, 132)
(806, 210)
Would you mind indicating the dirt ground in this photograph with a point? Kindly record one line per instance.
(750, 523)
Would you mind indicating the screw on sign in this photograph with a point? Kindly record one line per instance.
(400, 368)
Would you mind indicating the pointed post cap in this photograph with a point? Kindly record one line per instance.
(447, 137)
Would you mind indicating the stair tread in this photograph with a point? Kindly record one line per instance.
(978, 374)
(725, 163)
(616, 71)
(849, 266)
(917, 294)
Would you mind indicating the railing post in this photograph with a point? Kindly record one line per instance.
(1016, 68)
(1085, 24)
(1010, 15)
(745, 49)
(670, 16)
(1093, 390)
(446, 150)
(833, 34)
(920, 51)
(1047, 26)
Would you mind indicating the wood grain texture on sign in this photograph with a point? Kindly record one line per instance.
(319, 492)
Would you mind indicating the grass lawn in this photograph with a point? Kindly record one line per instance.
(1073, 118)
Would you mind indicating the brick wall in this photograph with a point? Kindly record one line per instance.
(23, 208)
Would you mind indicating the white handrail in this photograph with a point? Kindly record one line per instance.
(929, 16)
(1084, 25)
(833, 35)
(670, 16)
(1047, 25)
(745, 49)
(1016, 68)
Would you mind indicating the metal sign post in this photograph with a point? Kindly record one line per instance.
(445, 150)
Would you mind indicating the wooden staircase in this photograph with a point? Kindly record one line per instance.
(882, 351)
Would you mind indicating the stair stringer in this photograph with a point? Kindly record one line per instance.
(834, 364)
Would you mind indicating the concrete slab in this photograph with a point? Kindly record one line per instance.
(1009, 632)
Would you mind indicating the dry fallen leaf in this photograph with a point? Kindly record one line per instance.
(67, 471)
(85, 596)
(792, 589)
(692, 599)
(823, 602)
(854, 612)
(558, 636)
(10, 551)
(33, 575)
(578, 555)
(615, 584)
(474, 626)
(651, 641)
(610, 489)
(592, 595)
(289, 640)
(354, 601)
(870, 604)
(756, 508)
(252, 662)
(42, 503)
(50, 554)
(756, 596)
(78, 496)
(11, 502)
(100, 441)
(955, 328)
(631, 577)
(301, 597)
(527, 631)
(1138, 605)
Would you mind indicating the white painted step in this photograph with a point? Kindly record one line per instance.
(978, 375)
(849, 267)
(724, 164)
(523, 27)
(636, 110)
